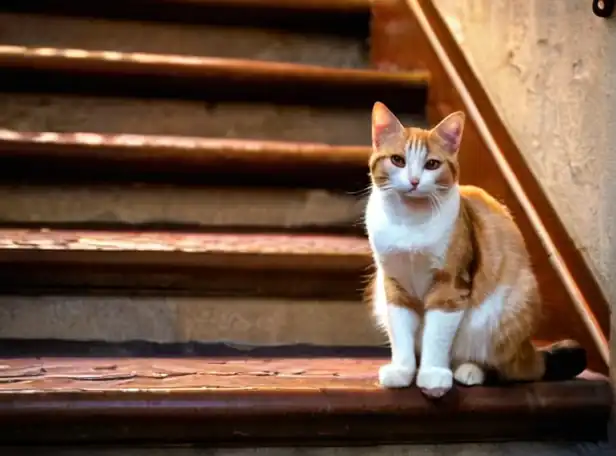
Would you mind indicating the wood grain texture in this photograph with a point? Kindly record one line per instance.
(209, 78)
(346, 252)
(106, 157)
(394, 26)
(156, 263)
(228, 401)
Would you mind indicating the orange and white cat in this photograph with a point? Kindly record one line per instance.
(453, 277)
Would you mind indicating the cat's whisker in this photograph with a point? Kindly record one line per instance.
(435, 206)
(362, 192)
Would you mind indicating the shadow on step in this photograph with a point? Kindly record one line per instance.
(10, 348)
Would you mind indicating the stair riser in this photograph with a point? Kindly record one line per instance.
(338, 18)
(212, 209)
(23, 112)
(172, 320)
(224, 276)
(210, 40)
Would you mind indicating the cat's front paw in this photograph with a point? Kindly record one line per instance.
(434, 381)
(396, 376)
(469, 374)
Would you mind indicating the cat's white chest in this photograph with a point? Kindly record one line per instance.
(404, 249)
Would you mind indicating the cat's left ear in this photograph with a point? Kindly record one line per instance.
(449, 132)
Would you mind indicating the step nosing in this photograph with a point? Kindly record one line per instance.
(55, 243)
(49, 58)
(207, 78)
(339, 395)
(76, 143)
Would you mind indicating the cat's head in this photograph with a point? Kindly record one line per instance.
(414, 162)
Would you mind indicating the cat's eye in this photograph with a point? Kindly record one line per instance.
(398, 160)
(432, 164)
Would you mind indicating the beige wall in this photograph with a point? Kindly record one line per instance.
(550, 69)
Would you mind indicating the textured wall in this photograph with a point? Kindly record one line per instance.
(550, 69)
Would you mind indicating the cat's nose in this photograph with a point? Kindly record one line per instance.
(414, 182)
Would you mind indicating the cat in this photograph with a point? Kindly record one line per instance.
(453, 277)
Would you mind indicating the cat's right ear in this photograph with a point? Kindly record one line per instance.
(385, 125)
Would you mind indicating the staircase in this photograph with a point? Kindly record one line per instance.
(181, 249)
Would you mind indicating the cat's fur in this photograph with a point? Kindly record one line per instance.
(453, 276)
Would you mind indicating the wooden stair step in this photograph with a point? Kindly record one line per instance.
(95, 156)
(141, 74)
(72, 262)
(205, 249)
(180, 117)
(214, 40)
(152, 263)
(327, 400)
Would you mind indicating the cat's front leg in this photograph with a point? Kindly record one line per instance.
(402, 327)
(435, 377)
(445, 307)
(401, 322)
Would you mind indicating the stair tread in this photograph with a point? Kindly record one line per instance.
(195, 75)
(341, 391)
(170, 249)
(263, 244)
(114, 62)
(99, 157)
(195, 151)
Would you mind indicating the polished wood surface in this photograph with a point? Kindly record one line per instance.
(156, 263)
(275, 401)
(393, 26)
(89, 156)
(141, 74)
(256, 250)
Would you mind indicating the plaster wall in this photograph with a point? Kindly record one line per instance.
(550, 69)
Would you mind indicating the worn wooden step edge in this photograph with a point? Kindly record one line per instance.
(180, 249)
(141, 74)
(276, 401)
(91, 156)
(67, 262)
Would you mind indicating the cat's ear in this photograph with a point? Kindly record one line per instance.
(448, 132)
(385, 125)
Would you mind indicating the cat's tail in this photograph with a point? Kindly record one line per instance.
(564, 360)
